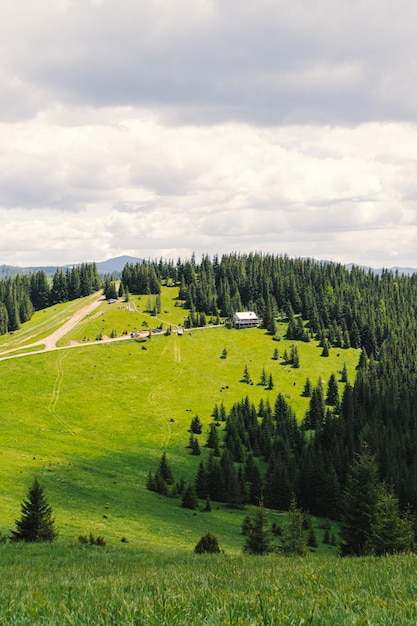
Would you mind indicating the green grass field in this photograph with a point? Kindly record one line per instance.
(101, 586)
(90, 421)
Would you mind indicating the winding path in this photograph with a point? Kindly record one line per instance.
(50, 343)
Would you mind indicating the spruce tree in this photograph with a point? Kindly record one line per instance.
(332, 396)
(360, 501)
(293, 541)
(258, 539)
(189, 499)
(246, 376)
(213, 438)
(196, 426)
(164, 470)
(392, 532)
(36, 523)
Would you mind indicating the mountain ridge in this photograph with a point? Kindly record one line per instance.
(113, 265)
(116, 265)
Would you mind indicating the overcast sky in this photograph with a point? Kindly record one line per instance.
(158, 128)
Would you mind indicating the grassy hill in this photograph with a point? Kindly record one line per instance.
(90, 421)
(92, 418)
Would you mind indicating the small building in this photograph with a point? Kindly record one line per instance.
(245, 319)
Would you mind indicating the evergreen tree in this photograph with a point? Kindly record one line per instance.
(208, 544)
(312, 539)
(164, 470)
(326, 350)
(213, 439)
(36, 522)
(207, 506)
(332, 397)
(293, 540)
(360, 501)
(196, 426)
(246, 376)
(195, 447)
(258, 539)
(201, 481)
(295, 358)
(4, 319)
(189, 499)
(307, 389)
(391, 532)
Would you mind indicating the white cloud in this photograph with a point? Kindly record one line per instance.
(263, 61)
(149, 128)
(128, 182)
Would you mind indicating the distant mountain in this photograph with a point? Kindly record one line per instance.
(407, 271)
(111, 266)
(116, 264)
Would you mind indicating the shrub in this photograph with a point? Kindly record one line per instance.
(208, 544)
(93, 541)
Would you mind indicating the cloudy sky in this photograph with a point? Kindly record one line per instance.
(158, 128)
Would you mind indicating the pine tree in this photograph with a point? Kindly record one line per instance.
(326, 350)
(311, 539)
(195, 447)
(293, 541)
(213, 438)
(189, 499)
(246, 376)
(332, 397)
(36, 523)
(360, 500)
(307, 389)
(201, 481)
(392, 532)
(196, 426)
(258, 539)
(164, 470)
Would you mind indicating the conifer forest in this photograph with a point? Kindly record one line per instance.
(267, 451)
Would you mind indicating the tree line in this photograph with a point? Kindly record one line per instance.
(22, 295)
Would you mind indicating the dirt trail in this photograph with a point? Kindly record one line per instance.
(49, 343)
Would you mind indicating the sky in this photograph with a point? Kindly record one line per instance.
(157, 128)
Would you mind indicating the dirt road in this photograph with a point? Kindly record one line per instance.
(49, 343)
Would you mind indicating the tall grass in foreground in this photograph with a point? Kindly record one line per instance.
(52, 584)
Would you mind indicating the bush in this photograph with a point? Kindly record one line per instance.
(93, 541)
(208, 544)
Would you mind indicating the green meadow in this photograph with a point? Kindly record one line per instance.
(92, 418)
(102, 586)
(91, 421)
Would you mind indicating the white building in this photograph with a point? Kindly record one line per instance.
(245, 319)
